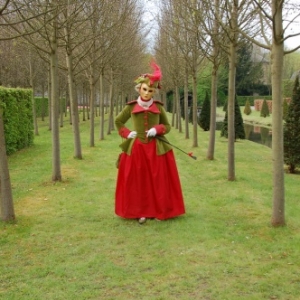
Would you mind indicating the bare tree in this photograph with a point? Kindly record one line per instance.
(181, 55)
(272, 22)
(37, 22)
(233, 38)
(210, 21)
(53, 43)
(74, 35)
(113, 32)
(3, 6)
(229, 16)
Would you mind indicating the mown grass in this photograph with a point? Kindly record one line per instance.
(67, 242)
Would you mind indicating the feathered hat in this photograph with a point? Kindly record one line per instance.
(152, 80)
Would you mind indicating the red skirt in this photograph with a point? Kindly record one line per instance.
(148, 184)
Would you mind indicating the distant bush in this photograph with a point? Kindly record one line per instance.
(243, 99)
(247, 109)
(291, 131)
(238, 123)
(264, 109)
(204, 116)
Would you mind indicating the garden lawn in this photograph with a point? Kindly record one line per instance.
(67, 242)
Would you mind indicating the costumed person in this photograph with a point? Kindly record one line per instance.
(148, 184)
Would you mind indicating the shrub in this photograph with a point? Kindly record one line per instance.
(239, 130)
(204, 116)
(291, 131)
(264, 112)
(285, 108)
(247, 109)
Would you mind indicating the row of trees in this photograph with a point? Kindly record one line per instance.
(193, 33)
(100, 44)
(78, 47)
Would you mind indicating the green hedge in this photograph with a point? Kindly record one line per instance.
(287, 86)
(18, 119)
(243, 99)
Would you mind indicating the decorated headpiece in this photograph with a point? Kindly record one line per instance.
(153, 79)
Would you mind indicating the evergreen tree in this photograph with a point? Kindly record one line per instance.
(247, 109)
(238, 123)
(204, 116)
(285, 108)
(264, 112)
(291, 131)
(225, 106)
(249, 72)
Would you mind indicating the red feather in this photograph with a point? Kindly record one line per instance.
(156, 75)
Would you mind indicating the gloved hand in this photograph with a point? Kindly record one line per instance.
(132, 135)
(151, 132)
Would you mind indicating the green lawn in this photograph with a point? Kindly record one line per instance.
(67, 242)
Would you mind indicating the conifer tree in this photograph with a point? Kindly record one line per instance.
(238, 123)
(264, 109)
(285, 108)
(225, 106)
(247, 109)
(291, 131)
(204, 116)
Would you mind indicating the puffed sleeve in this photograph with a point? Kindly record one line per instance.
(164, 126)
(121, 119)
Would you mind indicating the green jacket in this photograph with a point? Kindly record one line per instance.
(143, 120)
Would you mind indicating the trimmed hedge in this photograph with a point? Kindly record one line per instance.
(243, 99)
(17, 117)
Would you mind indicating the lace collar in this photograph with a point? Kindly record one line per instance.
(144, 104)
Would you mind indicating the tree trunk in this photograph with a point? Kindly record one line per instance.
(56, 170)
(122, 101)
(178, 110)
(213, 107)
(101, 104)
(118, 101)
(92, 109)
(231, 93)
(195, 109)
(61, 109)
(277, 54)
(84, 102)
(186, 105)
(43, 103)
(49, 99)
(6, 198)
(74, 108)
(214, 88)
(111, 104)
(35, 124)
(173, 110)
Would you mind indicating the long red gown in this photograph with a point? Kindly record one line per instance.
(148, 185)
